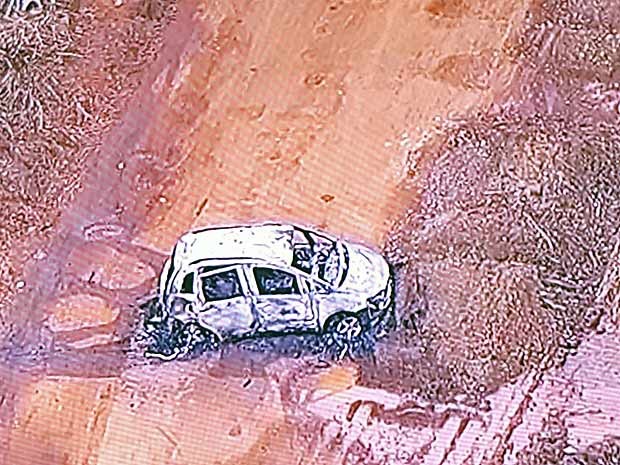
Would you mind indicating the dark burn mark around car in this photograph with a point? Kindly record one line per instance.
(289, 281)
(162, 339)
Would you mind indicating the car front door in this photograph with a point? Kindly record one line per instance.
(280, 300)
(225, 304)
(327, 302)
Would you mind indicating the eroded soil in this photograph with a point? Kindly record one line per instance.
(475, 142)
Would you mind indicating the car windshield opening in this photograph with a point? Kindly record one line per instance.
(317, 255)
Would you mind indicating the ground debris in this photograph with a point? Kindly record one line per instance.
(551, 447)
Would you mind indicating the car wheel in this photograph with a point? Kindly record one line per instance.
(345, 327)
(194, 340)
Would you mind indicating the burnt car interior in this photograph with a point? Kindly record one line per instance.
(271, 281)
(221, 285)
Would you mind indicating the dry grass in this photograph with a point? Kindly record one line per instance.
(34, 51)
(502, 266)
(510, 257)
(551, 446)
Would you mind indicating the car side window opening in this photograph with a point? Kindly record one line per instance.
(187, 287)
(271, 281)
(306, 285)
(316, 255)
(302, 258)
(302, 250)
(220, 286)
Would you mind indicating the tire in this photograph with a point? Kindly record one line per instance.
(193, 340)
(345, 327)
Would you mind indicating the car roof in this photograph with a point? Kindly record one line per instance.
(271, 243)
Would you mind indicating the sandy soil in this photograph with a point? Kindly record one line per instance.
(323, 113)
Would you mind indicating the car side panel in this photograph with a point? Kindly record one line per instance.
(335, 302)
(281, 313)
(229, 318)
(284, 313)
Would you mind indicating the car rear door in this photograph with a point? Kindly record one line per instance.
(225, 302)
(280, 300)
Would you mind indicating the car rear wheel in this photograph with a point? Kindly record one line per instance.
(194, 340)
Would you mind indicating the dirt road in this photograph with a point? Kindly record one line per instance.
(333, 114)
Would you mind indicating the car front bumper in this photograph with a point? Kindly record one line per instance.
(382, 319)
(380, 323)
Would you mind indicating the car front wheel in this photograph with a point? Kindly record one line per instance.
(345, 327)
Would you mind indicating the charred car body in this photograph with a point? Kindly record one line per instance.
(231, 283)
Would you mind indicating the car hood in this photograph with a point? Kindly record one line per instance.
(368, 272)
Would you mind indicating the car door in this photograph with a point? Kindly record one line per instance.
(225, 304)
(280, 300)
(328, 301)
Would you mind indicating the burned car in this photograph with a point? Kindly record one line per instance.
(232, 283)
